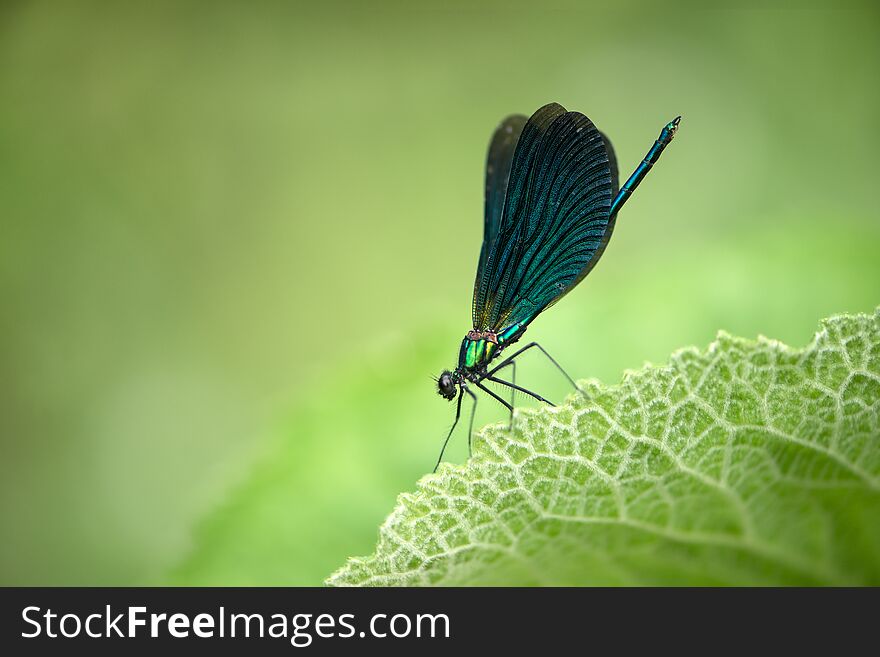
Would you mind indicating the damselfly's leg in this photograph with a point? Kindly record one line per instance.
(512, 389)
(509, 407)
(492, 394)
(526, 391)
(512, 392)
(451, 429)
(471, 423)
(644, 167)
(508, 360)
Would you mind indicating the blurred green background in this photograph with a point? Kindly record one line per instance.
(238, 238)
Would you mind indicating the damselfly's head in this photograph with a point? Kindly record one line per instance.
(446, 385)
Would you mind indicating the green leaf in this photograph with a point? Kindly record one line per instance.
(748, 463)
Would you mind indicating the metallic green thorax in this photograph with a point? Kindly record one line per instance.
(479, 347)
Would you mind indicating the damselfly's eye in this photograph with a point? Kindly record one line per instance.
(446, 385)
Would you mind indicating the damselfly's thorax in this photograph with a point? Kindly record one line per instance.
(476, 334)
(477, 349)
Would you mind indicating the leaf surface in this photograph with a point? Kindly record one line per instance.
(747, 463)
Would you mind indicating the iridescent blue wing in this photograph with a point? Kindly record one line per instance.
(498, 163)
(533, 128)
(555, 221)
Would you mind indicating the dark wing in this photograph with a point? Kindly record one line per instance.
(497, 172)
(555, 221)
